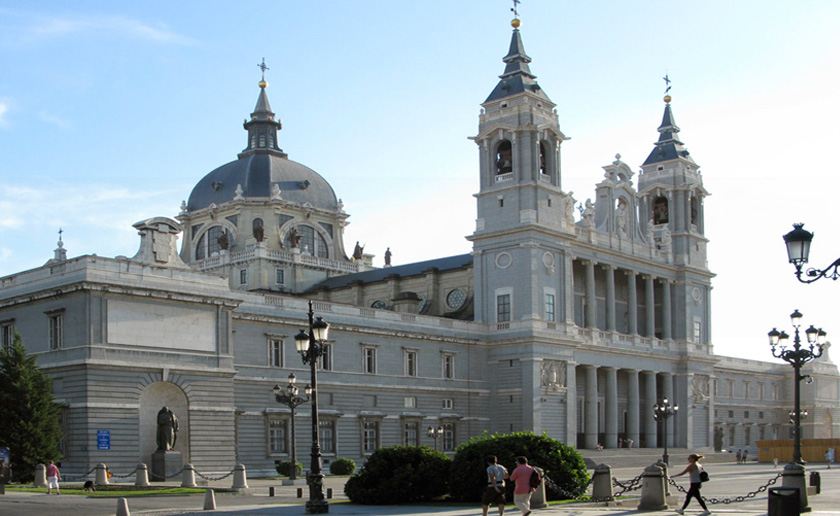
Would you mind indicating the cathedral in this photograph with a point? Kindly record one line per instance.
(572, 322)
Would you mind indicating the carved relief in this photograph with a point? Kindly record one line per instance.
(700, 388)
(553, 374)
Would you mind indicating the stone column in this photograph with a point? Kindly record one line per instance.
(666, 309)
(632, 429)
(632, 303)
(611, 407)
(590, 407)
(650, 308)
(647, 415)
(609, 275)
(591, 304)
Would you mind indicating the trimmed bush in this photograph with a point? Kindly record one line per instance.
(284, 469)
(343, 467)
(561, 463)
(400, 474)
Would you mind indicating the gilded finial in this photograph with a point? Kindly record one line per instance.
(667, 98)
(515, 22)
(263, 68)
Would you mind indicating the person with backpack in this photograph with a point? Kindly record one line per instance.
(523, 477)
(697, 476)
(494, 493)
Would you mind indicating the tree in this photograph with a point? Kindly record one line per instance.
(29, 417)
(400, 474)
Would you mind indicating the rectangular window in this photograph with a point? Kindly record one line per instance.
(279, 276)
(275, 353)
(697, 332)
(369, 360)
(549, 308)
(449, 437)
(411, 433)
(371, 436)
(243, 276)
(277, 436)
(448, 404)
(731, 414)
(503, 308)
(326, 357)
(7, 335)
(410, 363)
(410, 402)
(761, 415)
(448, 366)
(56, 331)
(746, 414)
(327, 436)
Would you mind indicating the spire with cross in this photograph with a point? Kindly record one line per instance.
(263, 68)
(515, 9)
(667, 83)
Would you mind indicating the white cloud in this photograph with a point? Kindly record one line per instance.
(4, 108)
(54, 120)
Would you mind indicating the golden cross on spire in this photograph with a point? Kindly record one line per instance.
(263, 67)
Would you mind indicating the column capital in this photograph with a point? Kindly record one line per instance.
(607, 266)
(589, 262)
(666, 281)
(648, 277)
(629, 272)
(588, 366)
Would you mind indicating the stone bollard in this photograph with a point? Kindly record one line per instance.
(794, 476)
(122, 507)
(538, 496)
(142, 478)
(665, 472)
(240, 479)
(40, 476)
(209, 500)
(101, 475)
(653, 490)
(188, 478)
(602, 483)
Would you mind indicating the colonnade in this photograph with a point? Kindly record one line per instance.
(649, 330)
(642, 389)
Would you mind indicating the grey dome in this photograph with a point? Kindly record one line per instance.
(258, 173)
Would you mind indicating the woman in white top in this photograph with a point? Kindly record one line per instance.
(693, 469)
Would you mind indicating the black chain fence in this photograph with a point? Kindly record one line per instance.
(77, 478)
(727, 501)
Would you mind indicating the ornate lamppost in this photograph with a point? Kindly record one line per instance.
(798, 244)
(435, 433)
(663, 411)
(792, 415)
(797, 357)
(311, 347)
(289, 396)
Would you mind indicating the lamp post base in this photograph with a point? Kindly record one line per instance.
(317, 507)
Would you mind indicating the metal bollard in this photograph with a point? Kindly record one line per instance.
(142, 478)
(602, 483)
(188, 477)
(300, 492)
(240, 479)
(814, 481)
(653, 489)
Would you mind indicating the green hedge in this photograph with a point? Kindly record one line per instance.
(343, 467)
(285, 468)
(400, 474)
(561, 463)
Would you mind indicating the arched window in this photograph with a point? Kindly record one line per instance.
(695, 209)
(212, 241)
(504, 158)
(660, 210)
(543, 158)
(311, 241)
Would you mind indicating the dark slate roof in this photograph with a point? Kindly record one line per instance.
(669, 147)
(411, 269)
(517, 77)
(257, 173)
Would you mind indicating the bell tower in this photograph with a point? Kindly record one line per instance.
(521, 207)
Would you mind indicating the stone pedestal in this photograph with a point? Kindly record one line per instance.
(166, 464)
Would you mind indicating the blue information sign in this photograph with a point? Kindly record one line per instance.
(103, 439)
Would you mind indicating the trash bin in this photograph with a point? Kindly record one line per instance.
(814, 481)
(783, 501)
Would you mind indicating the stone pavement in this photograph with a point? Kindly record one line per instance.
(728, 481)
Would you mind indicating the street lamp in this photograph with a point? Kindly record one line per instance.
(662, 411)
(311, 347)
(798, 244)
(792, 414)
(435, 433)
(797, 357)
(289, 396)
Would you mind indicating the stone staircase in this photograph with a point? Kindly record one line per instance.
(643, 457)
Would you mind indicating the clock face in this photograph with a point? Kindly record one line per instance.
(455, 299)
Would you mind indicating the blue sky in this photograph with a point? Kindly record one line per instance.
(110, 112)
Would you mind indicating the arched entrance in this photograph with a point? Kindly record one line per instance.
(155, 397)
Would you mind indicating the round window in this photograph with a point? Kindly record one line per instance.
(455, 299)
(379, 305)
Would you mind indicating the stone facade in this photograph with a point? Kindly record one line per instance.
(568, 323)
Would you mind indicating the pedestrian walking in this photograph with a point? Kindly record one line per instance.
(693, 469)
(53, 476)
(829, 457)
(494, 493)
(521, 476)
